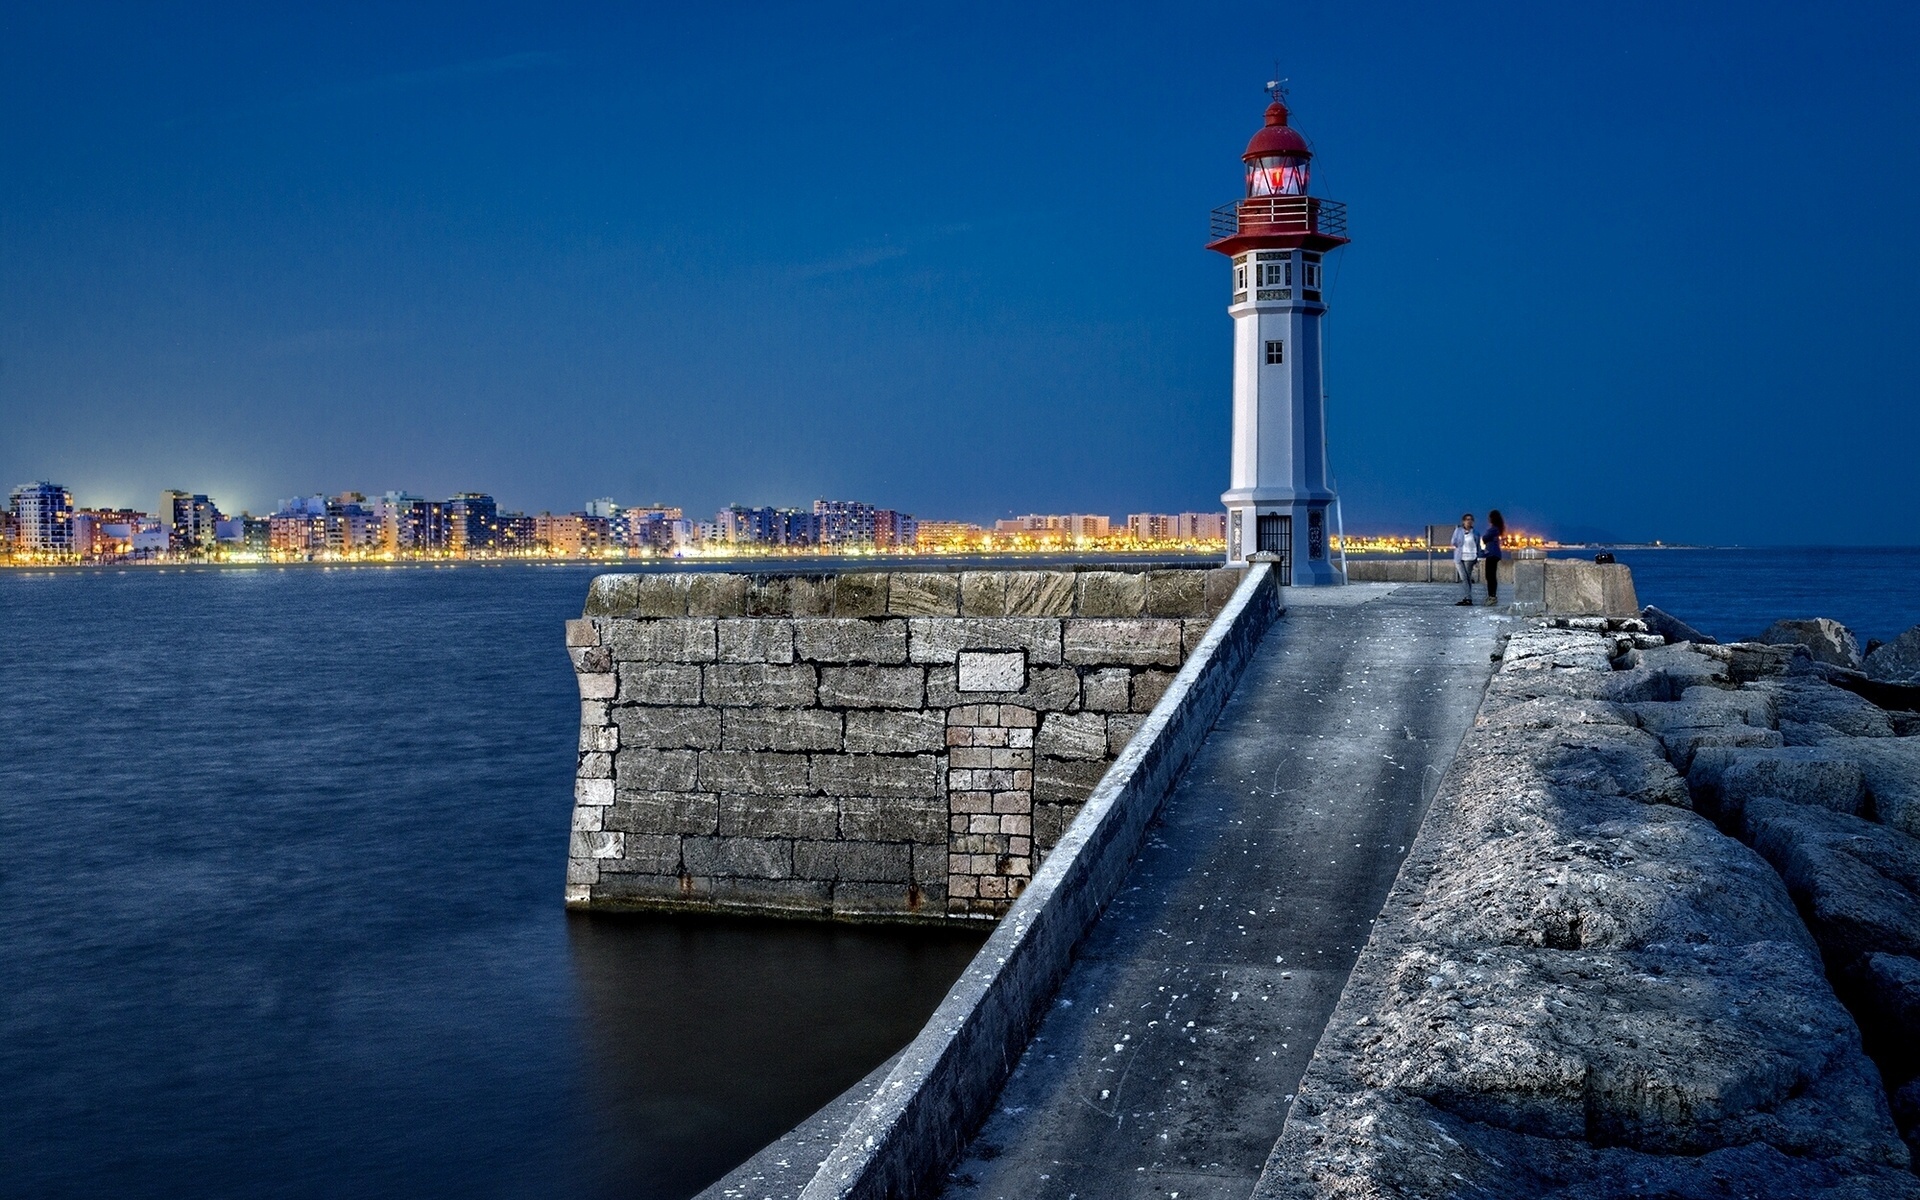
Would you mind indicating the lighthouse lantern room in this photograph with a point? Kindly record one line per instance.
(1278, 237)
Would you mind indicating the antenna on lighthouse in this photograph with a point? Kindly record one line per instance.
(1277, 86)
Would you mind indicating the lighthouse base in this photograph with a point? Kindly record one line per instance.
(1291, 533)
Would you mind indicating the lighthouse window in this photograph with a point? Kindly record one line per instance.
(1276, 353)
(1313, 275)
(1240, 278)
(1274, 274)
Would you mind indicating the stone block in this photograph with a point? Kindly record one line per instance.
(894, 732)
(935, 640)
(678, 813)
(1898, 661)
(983, 594)
(1827, 640)
(1221, 584)
(899, 819)
(1111, 594)
(1142, 642)
(866, 862)
(659, 683)
(602, 846)
(992, 670)
(860, 594)
(780, 729)
(646, 854)
(581, 872)
(600, 685)
(581, 632)
(674, 640)
(855, 897)
(637, 769)
(587, 659)
(601, 738)
(760, 685)
(1050, 822)
(769, 596)
(1072, 736)
(753, 772)
(594, 713)
(1148, 687)
(595, 765)
(756, 640)
(756, 858)
(810, 595)
(872, 687)
(923, 594)
(668, 728)
(1179, 593)
(810, 896)
(714, 595)
(779, 816)
(1049, 689)
(1812, 776)
(649, 594)
(593, 791)
(1120, 731)
(1105, 690)
(879, 776)
(1039, 593)
(1067, 781)
(835, 640)
(1191, 635)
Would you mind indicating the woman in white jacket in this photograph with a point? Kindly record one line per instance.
(1466, 551)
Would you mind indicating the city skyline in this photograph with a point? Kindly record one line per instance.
(574, 254)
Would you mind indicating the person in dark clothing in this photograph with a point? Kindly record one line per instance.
(1490, 550)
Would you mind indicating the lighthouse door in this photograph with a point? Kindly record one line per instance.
(1273, 534)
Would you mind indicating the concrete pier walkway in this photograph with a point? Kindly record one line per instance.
(1167, 1061)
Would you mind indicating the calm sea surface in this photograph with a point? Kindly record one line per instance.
(281, 857)
(281, 861)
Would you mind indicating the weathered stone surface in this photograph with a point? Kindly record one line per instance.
(638, 769)
(595, 765)
(764, 640)
(1065, 781)
(872, 862)
(584, 844)
(983, 594)
(780, 729)
(646, 854)
(603, 738)
(1072, 735)
(682, 640)
(1039, 593)
(1673, 628)
(1891, 767)
(860, 594)
(872, 687)
(1049, 689)
(1827, 640)
(599, 685)
(1884, 993)
(667, 728)
(753, 857)
(658, 683)
(1147, 642)
(941, 641)
(779, 817)
(664, 813)
(1727, 778)
(590, 659)
(1857, 882)
(753, 772)
(992, 670)
(923, 594)
(711, 594)
(895, 819)
(767, 685)
(1148, 687)
(1221, 583)
(1898, 661)
(1834, 710)
(769, 596)
(880, 731)
(1120, 731)
(879, 776)
(1177, 594)
(810, 595)
(835, 640)
(582, 632)
(1106, 690)
(1111, 594)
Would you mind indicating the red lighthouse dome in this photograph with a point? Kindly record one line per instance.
(1277, 213)
(1277, 158)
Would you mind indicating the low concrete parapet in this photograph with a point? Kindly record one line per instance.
(902, 745)
(948, 1077)
(1533, 586)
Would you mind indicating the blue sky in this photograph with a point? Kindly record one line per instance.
(1645, 270)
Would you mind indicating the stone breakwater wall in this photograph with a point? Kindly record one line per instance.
(1558, 586)
(1582, 986)
(887, 745)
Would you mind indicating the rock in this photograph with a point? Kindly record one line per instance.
(1814, 702)
(1891, 767)
(1827, 640)
(1858, 883)
(1673, 628)
(1898, 661)
(1724, 779)
(1883, 990)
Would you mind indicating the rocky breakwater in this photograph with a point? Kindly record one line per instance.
(1593, 976)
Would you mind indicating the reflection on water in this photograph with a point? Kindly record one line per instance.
(710, 1038)
(281, 864)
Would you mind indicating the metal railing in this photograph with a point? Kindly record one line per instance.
(1280, 214)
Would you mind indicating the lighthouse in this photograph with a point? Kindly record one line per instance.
(1279, 491)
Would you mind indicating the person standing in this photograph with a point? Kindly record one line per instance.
(1490, 551)
(1466, 551)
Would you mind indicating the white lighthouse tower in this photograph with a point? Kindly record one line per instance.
(1279, 489)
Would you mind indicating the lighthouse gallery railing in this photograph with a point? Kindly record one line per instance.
(1281, 214)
